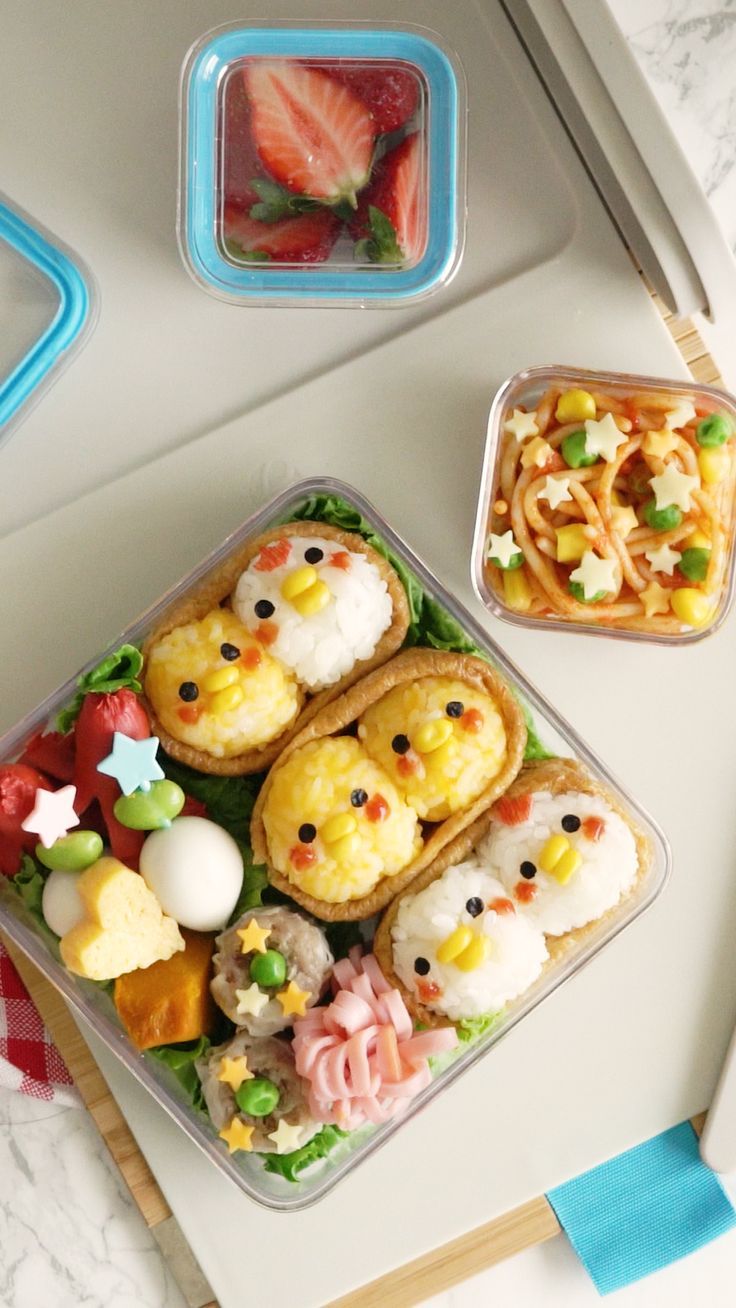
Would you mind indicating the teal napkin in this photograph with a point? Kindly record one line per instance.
(645, 1209)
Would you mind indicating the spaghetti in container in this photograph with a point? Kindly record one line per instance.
(607, 505)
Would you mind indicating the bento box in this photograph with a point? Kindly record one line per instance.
(303, 845)
(607, 505)
(322, 165)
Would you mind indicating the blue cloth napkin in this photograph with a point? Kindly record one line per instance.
(645, 1209)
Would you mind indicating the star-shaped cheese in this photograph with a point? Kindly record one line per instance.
(679, 417)
(237, 1136)
(521, 425)
(234, 1071)
(254, 937)
(502, 548)
(286, 1137)
(253, 1000)
(603, 437)
(595, 574)
(293, 1000)
(656, 599)
(132, 763)
(623, 520)
(673, 487)
(659, 443)
(663, 560)
(556, 490)
(536, 453)
(52, 814)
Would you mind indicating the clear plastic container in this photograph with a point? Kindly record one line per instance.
(322, 165)
(95, 1004)
(637, 539)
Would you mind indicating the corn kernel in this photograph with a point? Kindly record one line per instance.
(297, 581)
(231, 697)
(572, 543)
(566, 866)
(575, 406)
(552, 852)
(474, 954)
(342, 824)
(691, 606)
(713, 464)
(345, 847)
(516, 590)
(313, 600)
(442, 755)
(220, 679)
(536, 453)
(454, 944)
(432, 734)
(697, 540)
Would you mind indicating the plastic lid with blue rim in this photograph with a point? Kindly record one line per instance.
(47, 310)
(322, 164)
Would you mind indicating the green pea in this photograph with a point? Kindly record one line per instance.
(146, 810)
(713, 431)
(257, 1097)
(71, 853)
(514, 562)
(574, 451)
(578, 593)
(268, 969)
(694, 564)
(662, 519)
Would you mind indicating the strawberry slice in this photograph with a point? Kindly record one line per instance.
(391, 221)
(312, 134)
(388, 90)
(305, 238)
(512, 810)
(241, 164)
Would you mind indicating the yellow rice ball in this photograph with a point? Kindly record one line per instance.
(182, 680)
(440, 740)
(325, 786)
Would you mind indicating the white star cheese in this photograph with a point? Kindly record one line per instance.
(603, 437)
(522, 425)
(595, 574)
(502, 548)
(663, 559)
(679, 417)
(673, 487)
(253, 1000)
(556, 490)
(286, 1137)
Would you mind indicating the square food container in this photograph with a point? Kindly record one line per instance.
(322, 165)
(551, 734)
(637, 539)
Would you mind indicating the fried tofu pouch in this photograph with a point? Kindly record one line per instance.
(329, 819)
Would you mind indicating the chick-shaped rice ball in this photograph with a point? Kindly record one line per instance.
(213, 687)
(319, 608)
(335, 824)
(460, 947)
(597, 864)
(440, 740)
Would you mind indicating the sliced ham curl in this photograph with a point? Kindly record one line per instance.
(359, 1054)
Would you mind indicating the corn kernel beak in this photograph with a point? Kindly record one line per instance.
(305, 591)
(218, 680)
(231, 697)
(345, 847)
(552, 852)
(298, 581)
(336, 828)
(431, 735)
(454, 944)
(474, 954)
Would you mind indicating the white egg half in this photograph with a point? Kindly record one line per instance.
(61, 904)
(195, 870)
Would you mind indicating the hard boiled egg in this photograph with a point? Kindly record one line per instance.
(61, 904)
(195, 870)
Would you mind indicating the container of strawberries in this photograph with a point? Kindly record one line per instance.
(322, 165)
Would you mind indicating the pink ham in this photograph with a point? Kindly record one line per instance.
(427, 1044)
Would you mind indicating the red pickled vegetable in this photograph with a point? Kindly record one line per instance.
(53, 753)
(18, 786)
(100, 716)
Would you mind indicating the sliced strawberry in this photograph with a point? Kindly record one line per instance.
(391, 221)
(312, 134)
(512, 810)
(388, 90)
(241, 164)
(305, 238)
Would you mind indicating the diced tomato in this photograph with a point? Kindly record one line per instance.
(407, 765)
(190, 713)
(502, 905)
(593, 828)
(428, 990)
(266, 632)
(472, 720)
(340, 559)
(273, 555)
(377, 809)
(553, 464)
(633, 414)
(303, 856)
(251, 658)
(512, 810)
(525, 891)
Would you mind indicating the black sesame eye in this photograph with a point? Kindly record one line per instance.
(264, 609)
(401, 744)
(421, 966)
(454, 709)
(528, 870)
(188, 691)
(474, 906)
(358, 798)
(314, 555)
(570, 822)
(307, 832)
(229, 652)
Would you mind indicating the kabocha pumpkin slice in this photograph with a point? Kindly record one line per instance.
(276, 631)
(123, 928)
(170, 1001)
(337, 820)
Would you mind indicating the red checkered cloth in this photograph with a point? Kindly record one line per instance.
(29, 1061)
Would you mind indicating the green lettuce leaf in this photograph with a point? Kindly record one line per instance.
(180, 1059)
(119, 670)
(292, 1165)
(29, 882)
(471, 1029)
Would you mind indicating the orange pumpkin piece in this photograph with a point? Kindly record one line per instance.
(170, 1001)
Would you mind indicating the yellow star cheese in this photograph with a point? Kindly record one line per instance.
(286, 1137)
(234, 1071)
(237, 1136)
(294, 1000)
(656, 599)
(536, 453)
(254, 937)
(253, 1000)
(659, 443)
(623, 520)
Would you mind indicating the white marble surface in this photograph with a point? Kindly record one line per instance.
(69, 1234)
